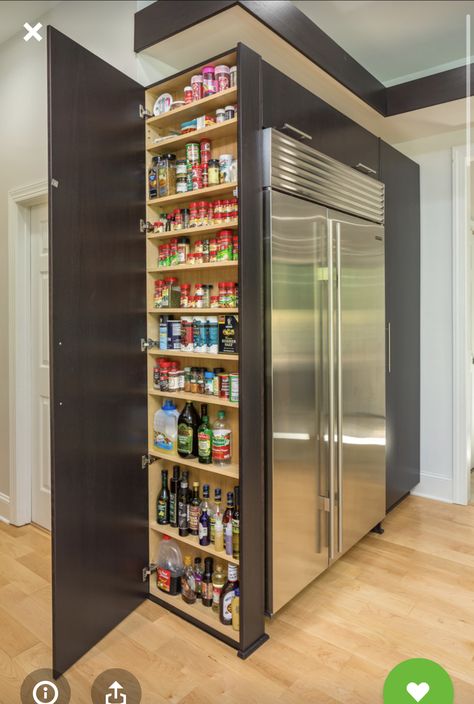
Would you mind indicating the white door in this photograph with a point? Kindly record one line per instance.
(39, 346)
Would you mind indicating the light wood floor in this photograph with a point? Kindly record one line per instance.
(408, 593)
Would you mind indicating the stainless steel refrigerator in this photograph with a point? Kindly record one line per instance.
(325, 361)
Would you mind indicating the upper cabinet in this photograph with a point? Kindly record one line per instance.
(331, 132)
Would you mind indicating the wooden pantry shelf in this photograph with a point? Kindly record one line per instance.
(194, 109)
(201, 613)
(193, 196)
(198, 398)
(192, 355)
(193, 541)
(193, 267)
(194, 311)
(217, 131)
(191, 231)
(228, 470)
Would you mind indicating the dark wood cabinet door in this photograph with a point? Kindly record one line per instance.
(98, 373)
(402, 295)
(332, 133)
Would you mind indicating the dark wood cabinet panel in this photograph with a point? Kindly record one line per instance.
(402, 285)
(334, 134)
(98, 373)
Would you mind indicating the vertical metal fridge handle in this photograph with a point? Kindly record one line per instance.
(339, 389)
(332, 478)
(389, 347)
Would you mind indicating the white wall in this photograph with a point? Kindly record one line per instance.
(23, 133)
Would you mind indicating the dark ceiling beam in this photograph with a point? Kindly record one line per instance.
(438, 88)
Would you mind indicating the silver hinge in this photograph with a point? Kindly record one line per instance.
(145, 226)
(143, 112)
(147, 460)
(148, 571)
(54, 182)
(146, 344)
(324, 504)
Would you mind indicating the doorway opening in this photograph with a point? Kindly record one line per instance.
(30, 492)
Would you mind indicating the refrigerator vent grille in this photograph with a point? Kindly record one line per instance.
(302, 171)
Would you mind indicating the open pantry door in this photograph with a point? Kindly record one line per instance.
(98, 372)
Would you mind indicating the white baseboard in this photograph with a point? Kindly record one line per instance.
(434, 486)
(4, 508)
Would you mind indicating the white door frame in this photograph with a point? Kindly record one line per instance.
(20, 200)
(461, 284)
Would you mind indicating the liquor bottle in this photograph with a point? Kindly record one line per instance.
(218, 531)
(227, 596)
(174, 489)
(163, 501)
(183, 520)
(221, 441)
(218, 581)
(188, 423)
(236, 525)
(198, 576)
(215, 510)
(205, 442)
(236, 610)
(188, 584)
(194, 510)
(190, 493)
(227, 520)
(204, 411)
(207, 582)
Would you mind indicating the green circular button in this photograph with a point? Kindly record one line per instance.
(418, 680)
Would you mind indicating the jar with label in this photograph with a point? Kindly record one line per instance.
(216, 212)
(234, 208)
(222, 294)
(199, 293)
(214, 302)
(205, 149)
(224, 246)
(167, 175)
(187, 343)
(202, 213)
(158, 293)
(235, 248)
(174, 260)
(208, 81)
(212, 250)
(183, 250)
(229, 112)
(184, 298)
(206, 297)
(181, 167)
(222, 77)
(164, 373)
(217, 371)
(210, 213)
(220, 115)
(197, 87)
(187, 377)
(156, 377)
(213, 172)
(181, 184)
(230, 294)
(185, 218)
(188, 94)
(212, 335)
(200, 374)
(233, 76)
(173, 378)
(192, 150)
(197, 177)
(234, 171)
(205, 176)
(225, 161)
(227, 211)
(194, 380)
(193, 214)
(208, 383)
(205, 251)
(178, 220)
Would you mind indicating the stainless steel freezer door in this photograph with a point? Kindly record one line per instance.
(297, 312)
(359, 318)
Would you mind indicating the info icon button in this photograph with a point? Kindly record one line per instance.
(40, 687)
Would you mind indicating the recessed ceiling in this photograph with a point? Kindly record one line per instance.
(396, 41)
(13, 15)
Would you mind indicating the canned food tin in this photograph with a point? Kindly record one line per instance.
(224, 386)
(234, 388)
(192, 152)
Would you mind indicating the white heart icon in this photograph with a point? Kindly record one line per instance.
(418, 691)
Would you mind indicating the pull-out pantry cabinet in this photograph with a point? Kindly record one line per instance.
(106, 471)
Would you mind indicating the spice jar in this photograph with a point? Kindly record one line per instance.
(187, 378)
(220, 115)
(208, 81)
(222, 77)
(177, 219)
(235, 247)
(184, 297)
(230, 294)
(197, 87)
(156, 377)
(202, 217)
(201, 383)
(174, 252)
(188, 94)
(164, 373)
(205, 150)
(197, 177)
(206, 295)
(209, 383)
(233, 76)
(194, 380)
(225, 161)
(173, 377)
(234, 208)
(217, 212)
(193, 214)
(217, 371)
(214, 302)
(229, 112)
(181, 184)
(213, 172)
(213, 250)
(224, 245)
(222, 294)
(185, 218)
(183, 250)
(199, 294)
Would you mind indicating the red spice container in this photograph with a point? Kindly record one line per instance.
(196, 85)
(205, 146)
(193, 214)
(188, 94)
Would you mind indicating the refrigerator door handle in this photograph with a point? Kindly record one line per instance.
(332, 472)
(389, 347)
(339, 390)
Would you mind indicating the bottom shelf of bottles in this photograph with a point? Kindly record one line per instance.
(204, 614)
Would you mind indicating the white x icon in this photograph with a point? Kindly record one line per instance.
(32, 32)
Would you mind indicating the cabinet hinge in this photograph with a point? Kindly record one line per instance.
(148, 571)
(324, 503)
(145, 226)
(147, 344)
(147, 460)
(143, 112)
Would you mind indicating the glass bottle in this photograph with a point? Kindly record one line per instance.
(218, 581)
(227, 520)
(236, 610)
(221, 440)
(205, 442)
(163, 501)
(215, 510)
(188, 423)
(228, 595)
(188, 583)
(204, 412)
(236, 525)
(204, 519)
(183, 521)
(174, 489)
(198, 573)
(207, 582)
(194, 510)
